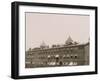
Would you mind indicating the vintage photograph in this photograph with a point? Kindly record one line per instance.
(54, 39)
(50, 40)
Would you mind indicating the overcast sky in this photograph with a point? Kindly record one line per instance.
(55, 28)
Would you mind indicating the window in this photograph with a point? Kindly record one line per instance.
(71, 56)
(75, 56)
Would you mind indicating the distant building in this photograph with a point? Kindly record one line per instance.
(69, 54)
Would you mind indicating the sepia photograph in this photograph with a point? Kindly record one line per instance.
(56, 39)
(50, 40)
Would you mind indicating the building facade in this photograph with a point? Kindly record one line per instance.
(69, 54)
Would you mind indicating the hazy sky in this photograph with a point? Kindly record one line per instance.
(55, 28)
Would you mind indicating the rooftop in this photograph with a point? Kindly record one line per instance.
(68, 43)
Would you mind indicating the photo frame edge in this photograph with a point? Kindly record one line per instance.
(15, 42)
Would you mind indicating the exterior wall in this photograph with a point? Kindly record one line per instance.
(58, 56)
(87, 48)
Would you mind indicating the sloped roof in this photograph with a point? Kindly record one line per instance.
(69, 40)
(43, 44)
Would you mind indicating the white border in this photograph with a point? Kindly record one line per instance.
(53, 70)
